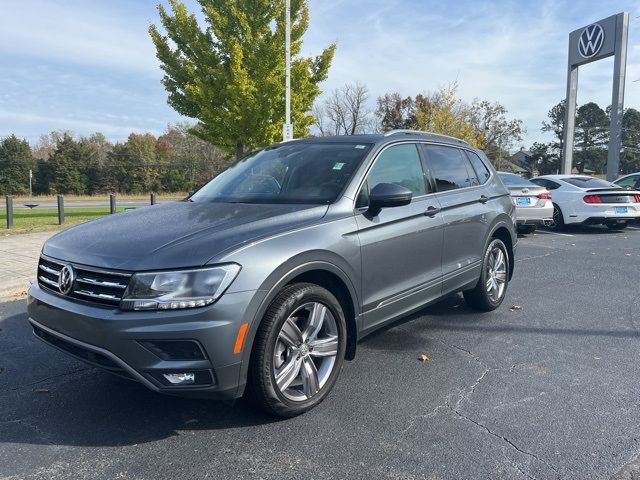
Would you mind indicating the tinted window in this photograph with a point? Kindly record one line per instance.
(629, 182)
(543, 182)
(450, 168)
(399, 164)
(514, 180)
(478, 165)
(589, 182)
(311, 173)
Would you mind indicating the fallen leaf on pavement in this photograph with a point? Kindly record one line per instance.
(423, 358)
(515, 308)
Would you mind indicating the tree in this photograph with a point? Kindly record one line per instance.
(499, 132)
(543, 159)
(441, 112)
(345, 112)
(230, 76)
(395, 112)
(65, 167)
(630, 158)
(15, 162)
(556, 125)
(592, 136)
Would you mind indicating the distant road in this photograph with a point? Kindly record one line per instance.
(87, 203)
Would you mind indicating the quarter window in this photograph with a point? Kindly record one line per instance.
(450, 168)
(478, 165)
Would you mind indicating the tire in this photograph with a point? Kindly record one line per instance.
(527, 229)
(298, 350)
(616, 227)
(491, 288)
(558, 219)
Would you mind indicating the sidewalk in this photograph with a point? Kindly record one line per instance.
(19, 261)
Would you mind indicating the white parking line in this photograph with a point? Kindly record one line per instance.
(555, 233)
(633, 228)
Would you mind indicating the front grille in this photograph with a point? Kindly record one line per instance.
(91, 284)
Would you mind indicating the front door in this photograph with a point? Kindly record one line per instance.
(401, 247)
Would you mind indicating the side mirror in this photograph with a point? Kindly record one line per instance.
(387, 195)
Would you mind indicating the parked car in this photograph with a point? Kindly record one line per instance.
(271, 273)
(533, 202)
(630, 182)
(584, 200)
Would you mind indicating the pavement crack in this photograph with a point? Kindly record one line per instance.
(51, 377)
(505, 439)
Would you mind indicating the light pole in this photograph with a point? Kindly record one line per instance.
(287, 129)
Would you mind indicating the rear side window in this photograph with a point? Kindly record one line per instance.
(450, 168)
(478, 165)
(629, 182)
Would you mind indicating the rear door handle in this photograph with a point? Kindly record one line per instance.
(432, 211)
(483, 199)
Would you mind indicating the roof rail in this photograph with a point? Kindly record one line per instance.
(433, 136)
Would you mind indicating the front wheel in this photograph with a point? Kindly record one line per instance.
(491, 288)
(298, 350)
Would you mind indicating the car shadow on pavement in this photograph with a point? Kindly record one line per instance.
(53, 399)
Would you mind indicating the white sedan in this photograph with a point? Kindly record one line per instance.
(583, 200)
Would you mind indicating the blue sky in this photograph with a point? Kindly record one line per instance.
(86, 65)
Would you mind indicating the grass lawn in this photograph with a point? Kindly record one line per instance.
(40, 220)
(103, 197)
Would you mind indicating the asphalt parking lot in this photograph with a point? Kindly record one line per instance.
(550, 390)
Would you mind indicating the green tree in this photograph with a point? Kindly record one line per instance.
(630, 159)
(15, 162)
(230, 76)
(66, 167)
(592, 135)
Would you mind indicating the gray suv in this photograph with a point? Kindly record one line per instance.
(269, 275)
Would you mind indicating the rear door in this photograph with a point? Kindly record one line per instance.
(401, 247)
(465, 207)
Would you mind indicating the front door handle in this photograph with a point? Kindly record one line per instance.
(432, 211)
(483, 199)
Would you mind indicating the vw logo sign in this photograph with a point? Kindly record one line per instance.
(66, 279)
(591, 40)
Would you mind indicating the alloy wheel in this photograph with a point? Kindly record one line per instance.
(305, 351)
(496, 278)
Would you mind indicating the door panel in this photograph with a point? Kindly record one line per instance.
(466, 215)
(401, 247)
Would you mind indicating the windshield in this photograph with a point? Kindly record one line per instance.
(590, 182)
(311, 173)
(512, 179)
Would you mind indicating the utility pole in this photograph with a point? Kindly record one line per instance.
(287, 129)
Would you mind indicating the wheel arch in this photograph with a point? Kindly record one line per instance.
(321, 272)
(503, 233)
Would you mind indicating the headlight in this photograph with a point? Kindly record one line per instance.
(178, 289)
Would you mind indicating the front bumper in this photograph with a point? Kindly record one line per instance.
(110, 338)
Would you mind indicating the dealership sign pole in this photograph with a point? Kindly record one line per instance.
(599, 40)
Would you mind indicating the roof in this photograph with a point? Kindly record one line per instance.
(388, 136)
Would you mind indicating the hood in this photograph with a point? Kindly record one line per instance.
(176, 234)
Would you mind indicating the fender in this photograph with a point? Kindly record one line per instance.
(294, 267)
(505, 221)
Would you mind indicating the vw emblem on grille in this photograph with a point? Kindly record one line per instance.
(591, 40)
(66, 279)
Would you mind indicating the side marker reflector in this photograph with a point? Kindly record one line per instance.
(242, 333)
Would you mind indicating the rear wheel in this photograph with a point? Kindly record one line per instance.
(298, 350)
(557, 223)
(491, 288)
(617, 226)
(526, 229)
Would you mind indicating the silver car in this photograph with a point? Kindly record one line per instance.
(270, 274)
(533, 202)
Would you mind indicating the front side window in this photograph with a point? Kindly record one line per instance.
(306, 172)
(589, 182)
(399, 164)
(450, 168)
